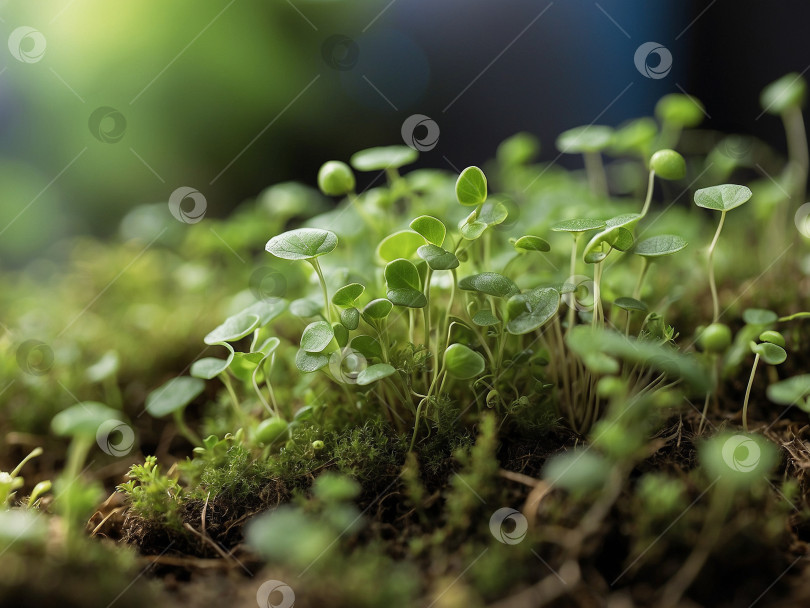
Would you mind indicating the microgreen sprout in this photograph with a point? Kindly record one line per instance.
(590, 141)
(723, 199)
(771, 350)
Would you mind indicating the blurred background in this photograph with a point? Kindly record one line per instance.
(105, 105)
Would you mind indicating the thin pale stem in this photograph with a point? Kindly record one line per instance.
(316, 265)
(597, 294)
(595, 171)
(712, 284)
(748, 393)
(572, 270)
(797, 147)
(648, 200)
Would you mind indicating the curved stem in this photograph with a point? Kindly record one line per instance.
(748, 393)
(184, 429)
(712, 284)
(647, 201)
(328, 308)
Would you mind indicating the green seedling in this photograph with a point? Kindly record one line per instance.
(649, 250)
(172, 398)
(335, 178)
(677, 112)
(771, 350)
(792, 391)
(667, 164)
(11, 482)
(723, 199)
(306, 244)
(590, 141)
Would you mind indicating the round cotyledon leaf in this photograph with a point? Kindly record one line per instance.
(490, 283)
(791, 391)
(83, 419)
(656, 246)
(432, 229)
(373, 373)
(578, 225)
(590, 138)
(383, 157)
(462, 362)
(302, 244)
(531, 310)
(438, 258)
(471, 187)
(402, 244)
(317, 336)
(173, 396)
(724, 197)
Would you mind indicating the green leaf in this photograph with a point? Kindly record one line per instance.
(722, 198)
(105, 367)
(83, 419)
(378, 309)
(373, 373)
(210, 367)
(517, 150)
(492, 213)
(471, 187)
(404, 284)
(173, 396)
(531, 310)
(532, 243)
(635, 137)
(335, 178)
(738, 460)
(490, 283)
(580, 140)
(244, 364)
(578, 226)
(630, 304)
(266, 310)
(367, 346)
(350, 318)
(790, 391)
(317, 336)
(402, 244)
(305, 308)
(432, 229)
(600, 363)
(233, 329)
(787, 92)
(346, 296)
(383, 157)
(462, 362)
(680, 110)
(438, 258)
(656, 246)
(759, 316)
(302, 244)
(668, 164)
(770, 353)
(615, 237)
(310, 362)
(341, 334)
(472, 230)
(577, 471)
(485, 318)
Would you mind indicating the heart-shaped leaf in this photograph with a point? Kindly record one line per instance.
(310, 362)
(532, 243)
(656, 246)
(402, 244)
(316, 336)
(578, 226)
(432, 229)
(471, 187)
(438, 258)
(722, 198)
(367, 346)
(346, 296)
(769, 353)
(383, 157)
(373, 373)
(378, 309)
(490, 283)
(579, 140)
(462, 362)
(173, 396)
(531, 310)
(302, 244)
(404, 284)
